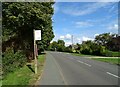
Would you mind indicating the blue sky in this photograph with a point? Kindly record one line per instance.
(84, 20)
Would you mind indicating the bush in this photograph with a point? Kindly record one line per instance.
(86, 51)
(112, 54)
(116, 54)
(68, 49)
(11, 61)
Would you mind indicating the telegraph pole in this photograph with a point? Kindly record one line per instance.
(72, 42)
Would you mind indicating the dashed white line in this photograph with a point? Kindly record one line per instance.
(112, 75)
(80, 61)
(84, 63)
(87, 64)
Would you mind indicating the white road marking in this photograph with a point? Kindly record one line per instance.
(87, 64)
(84, 63)
(80, 61)
(112, 75)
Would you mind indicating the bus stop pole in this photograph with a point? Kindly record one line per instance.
(35, 57)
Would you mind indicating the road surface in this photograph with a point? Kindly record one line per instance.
(66, 69)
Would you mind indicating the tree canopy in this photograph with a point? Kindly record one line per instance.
(19, 20)
(57, 46)
(107, 40)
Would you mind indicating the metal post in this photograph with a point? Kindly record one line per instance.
(35, 58)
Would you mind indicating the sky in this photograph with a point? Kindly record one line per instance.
(84, 20)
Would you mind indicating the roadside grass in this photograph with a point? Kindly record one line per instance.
(25, 76)
(0, 82)
(109, 60)
(83, 55)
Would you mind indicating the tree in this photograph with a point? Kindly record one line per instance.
(53, 46)
(114, 44)
(102, 39)
(58, 46)
(68, 49)
(85, 47)
(61, 42)
(90, 47)
(19, 20)
(77, 47)
(107, 40)
(61, 45)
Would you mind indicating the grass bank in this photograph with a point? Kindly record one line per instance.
(109, 60)
(25, 76)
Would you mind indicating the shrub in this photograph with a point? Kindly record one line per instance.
(86, 51)
(11, 61)
(112, 54)
(116, 54)
(68, 49)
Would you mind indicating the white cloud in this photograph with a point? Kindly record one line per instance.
(68, 36)
(84, 10)
(76, 39)
(116, 25)
(96, 35)
(113, 27)
(84, 38)
(83, 24)
(67, 39)
(68, 43)
(62, 37)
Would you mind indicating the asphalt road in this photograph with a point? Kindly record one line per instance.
(66, 69)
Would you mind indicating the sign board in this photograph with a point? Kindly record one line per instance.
(37, 34)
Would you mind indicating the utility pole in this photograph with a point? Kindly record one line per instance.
(72, 42)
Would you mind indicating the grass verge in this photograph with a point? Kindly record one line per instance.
(109, 60)
(25, 75)
(83, 55)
